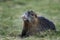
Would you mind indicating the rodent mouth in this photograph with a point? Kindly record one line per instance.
(24, 19)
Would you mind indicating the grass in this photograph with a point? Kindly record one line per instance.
(11, 22)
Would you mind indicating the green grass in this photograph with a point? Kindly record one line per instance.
(11, 22)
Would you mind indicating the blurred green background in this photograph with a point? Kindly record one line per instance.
(11, 11)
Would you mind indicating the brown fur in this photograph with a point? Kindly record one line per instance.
(37, 24)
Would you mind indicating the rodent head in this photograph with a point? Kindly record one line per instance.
(29, 15)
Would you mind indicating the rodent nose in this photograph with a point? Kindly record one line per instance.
(24, 17)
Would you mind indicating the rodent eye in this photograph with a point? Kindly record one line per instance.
(32, 14)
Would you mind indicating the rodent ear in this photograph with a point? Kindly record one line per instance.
(36, 15)
(31, 11)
